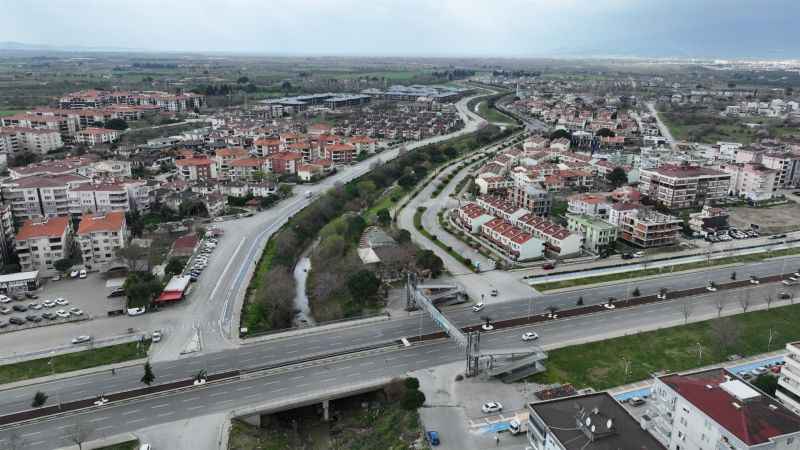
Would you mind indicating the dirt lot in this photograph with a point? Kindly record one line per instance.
(775, 219)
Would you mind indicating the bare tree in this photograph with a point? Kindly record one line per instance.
(719, 303)
(768, 300)
(725, 334)
(79, 433)
(686, 310)
(744, 301)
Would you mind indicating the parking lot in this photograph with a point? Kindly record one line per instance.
(777, 219)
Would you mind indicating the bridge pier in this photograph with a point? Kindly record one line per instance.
(326, 410)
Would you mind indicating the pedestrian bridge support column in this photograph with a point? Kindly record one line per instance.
(326, 410)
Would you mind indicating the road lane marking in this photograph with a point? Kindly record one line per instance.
(245, 388)
(104, 428)
(34, 433)
(165, 414)
(137, 420)
(99, 419)
(163, 405)
(192, 408)
(128, 413)
(217, 394)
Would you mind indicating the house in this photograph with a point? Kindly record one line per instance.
(42, 242)
(594, 205)
(586, 422)
(471, 217)
(99, 237)
(598, 234)
(714, 409)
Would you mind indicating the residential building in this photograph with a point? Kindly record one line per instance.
(471, 217)
(491, 184)
(594, 205)
(498, 207)
(535, 200)
(619, 210)
(99, 237)
(598, 235)
(752, 181)
(709, 218)
(42, 242)
(96, 136)
(248, 169)
(194, 169)
(586, 422)
(683, 186)
(557, 240)
(40, 195)
(515, 242)
(19, 139)
(788, 390)
(98, 198)
(223, 158)
(340, 153)
(6, 233)
(648, 228)
(714, 409)
(284, 162)
(215, 204)
(787, 166)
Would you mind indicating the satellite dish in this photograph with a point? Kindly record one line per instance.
(588, 421)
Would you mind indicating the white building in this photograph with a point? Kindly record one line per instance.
(96, 136)
(100, 236)
(789, 382)
(42, 242)
(98, 197)
(41, 196)
(715, 410)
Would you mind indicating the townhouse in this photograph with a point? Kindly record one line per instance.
(41, 242)
(471, 217)
(558, 240)
(518, 244)
(100, 236)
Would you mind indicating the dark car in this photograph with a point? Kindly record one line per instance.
(20, 308)
(16, 321)
(118, 292)
(433, 438)
(548, 266)
(627, 256)
(33, 318)
(49, 316)
(31, 295)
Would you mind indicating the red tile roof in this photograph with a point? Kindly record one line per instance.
(193, 162)
(52, 227)
(111, 221)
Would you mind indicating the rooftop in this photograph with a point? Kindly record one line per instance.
(52, 227)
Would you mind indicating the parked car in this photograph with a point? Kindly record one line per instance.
(5, 299)
(548, 266)
(156, 336)
(20, 308)
(5, 310)
(35, 306)
(49, 303)
(31, 295)
(63, 314)
(636, 401)
(118, 292)
(56, 278)
(82, 274)
(16, 321)
(491, 407)
(76, 311)
(60, 301)
(3, 324)
(33, 318)
(136, 311)
(493, 293)
(627, 256)
(478, 307)
(49, 316)
(81, 339)
(433, 438)
(74, 273)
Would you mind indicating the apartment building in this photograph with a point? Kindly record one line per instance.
(96, 136)
(586, 422)
(284, 162)
(594, 205)
(683, 186)
(648, 228)
(6, 233)
(98, 198)
(246, 169)
(528, 196)
(40, 141)
(67, 126)
(40, 195)
(788, 390)
(787, 166)
(598, 235)
(223, 158)
(195, 169)
(491, 184)
(715, 410)
(42, 242)
(752, 181)
(99, 237)
(340, 153)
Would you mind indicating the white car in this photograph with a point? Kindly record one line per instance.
(74, 273)
(101, 401)
(61, 301)
(156, 336)
(711, 288)
(609, 306)
(478, 306)
(136, 311)
(82, 274)
(638, 254)
(61, 313)
(4, 299)
(35, 306)
(530, 336)
(754, 280)
(49, 304)
(81, 339)
(491, 407)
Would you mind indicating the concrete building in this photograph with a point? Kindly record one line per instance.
(40, 196)
(586, 422)
(223, 158)
(788, 390)
(99, 237)
(96, 136)
(42, 242)
(714, 409)
(535, 200)
(648, 228)
(683, 186)
(594, 205)
(194, 169)
(709, 218)
(98, 198)
(598, 234)
(18, 139)
(752, 181)
(6, 233)
(558, 240)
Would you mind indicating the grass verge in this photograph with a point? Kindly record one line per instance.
(601, 364)
(543, 287)
(492, 114)
(72, 361)
(130, 445)
(418, 225)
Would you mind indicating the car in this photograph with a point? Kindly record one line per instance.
(76, 311)
(61, 313)
(218, 219)
(156, 336)
(31, 296)
(746, 376)
(16, 321)
(49, 316)
(433, 438)
(711, 288)
(478, 307)
(136, 311)
(754, 280)
(81, 339)
(82, 274)
(4, 299)
(74, 273)
(61, 301)
(35, 306)
(193, 278)
(56, 278)
(17, 297)
(627, 256)
(784, 296)
(788, 282)
(548, 266)
(638, 254)
(530, 336)
(491, 407)
(49, 303)
(5, 310)
(759, 371)
(493, 293)
(33, 318)
(636, 401)
(3, 324)
(118, 292)
(609, 305)
(101, 401)
(20, 308)
(776, 369)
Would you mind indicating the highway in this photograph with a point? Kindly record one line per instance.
(286, 384)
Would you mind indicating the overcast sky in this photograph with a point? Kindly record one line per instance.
(522, 28)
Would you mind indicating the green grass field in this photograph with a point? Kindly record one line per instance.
(492, 115)
(9, 112)
(601, 365)
(72, 361)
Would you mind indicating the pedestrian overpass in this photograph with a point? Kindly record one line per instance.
(508, 365)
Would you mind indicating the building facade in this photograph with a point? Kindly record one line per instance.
(99, 237)
(42, 242)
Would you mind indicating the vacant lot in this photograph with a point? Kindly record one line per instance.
(775, 219)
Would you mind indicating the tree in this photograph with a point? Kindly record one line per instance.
(134, 256)
(174, 267)
(193, 208)
(767, 383)
(725, 335)
(63, 264)
(39, 399)
(403, 237)
(636, 292)
(412, 400)
(116, 124)
(384, 217)
(558, 134)
(579, 302)
(604, 132)
(686, 310)
(148, 376)
(617, 177)
(427, 260)
(744, 301)
(768, 300)
(141, 288)
(411, 383)
(719, 303)
(79, 433)
(363, 286)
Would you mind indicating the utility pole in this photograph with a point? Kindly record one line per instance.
(699, 353)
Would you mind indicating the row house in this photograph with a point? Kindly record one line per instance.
(98, 198)
(518, 244)
(684, 186)
(498, 207)
(19, 139)
(471, 217)
(96, 136)
(100, 236)
(40, 196)
(41, 242)
(557, 239)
